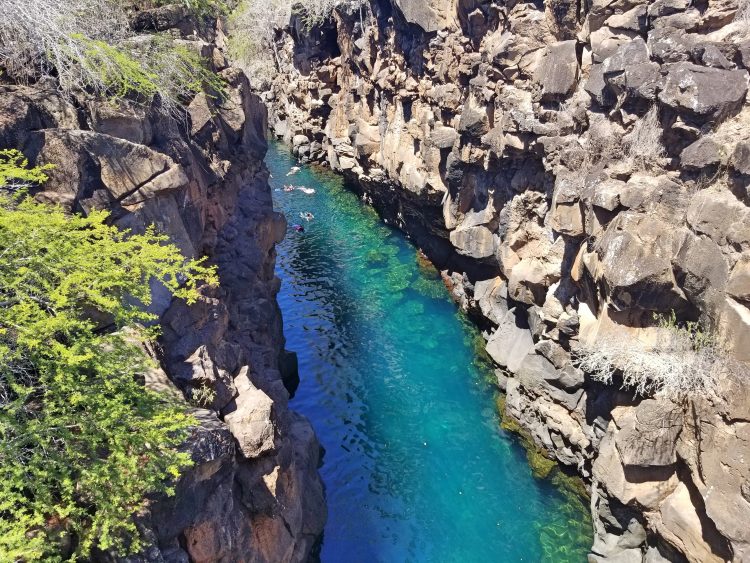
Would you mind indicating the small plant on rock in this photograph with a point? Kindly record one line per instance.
(684, 361)
(202, 396)
(643, 145)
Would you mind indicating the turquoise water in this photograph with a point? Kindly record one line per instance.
(416, 467)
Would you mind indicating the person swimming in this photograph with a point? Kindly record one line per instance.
(305, 190)
(307, 216)
(298, 228)
(289, 188)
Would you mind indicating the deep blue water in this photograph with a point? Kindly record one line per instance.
(416, 466)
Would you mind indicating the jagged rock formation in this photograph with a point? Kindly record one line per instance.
(577, 168)
(254, 493)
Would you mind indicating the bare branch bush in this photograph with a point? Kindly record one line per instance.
(643, 145)
(252, 32)
(315, 12)
(601, 145)
(87, 45)
(42, 37)
(255, 23)
(683, 362)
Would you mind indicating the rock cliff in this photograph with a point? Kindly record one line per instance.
(254, 493)
(575, 168)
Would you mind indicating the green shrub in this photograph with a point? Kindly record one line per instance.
(15, 173)
(82, 441)
(118, 72)
(181, 72)
(201, 7)
(87, 46)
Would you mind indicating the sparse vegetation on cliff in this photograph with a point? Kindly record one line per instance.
(253, 28)
(82, 441)
(643, 145)
(683, 361)
(87, 45)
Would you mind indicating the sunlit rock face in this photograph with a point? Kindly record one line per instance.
(575, 171)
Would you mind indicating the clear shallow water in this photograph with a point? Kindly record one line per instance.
(416, 467)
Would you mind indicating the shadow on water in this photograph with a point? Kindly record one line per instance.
(416, 467)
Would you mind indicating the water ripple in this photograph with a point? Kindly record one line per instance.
(416, 467)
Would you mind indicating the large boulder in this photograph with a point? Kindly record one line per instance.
(680, 524)
(510, 343)
(630, 71)
(124, 121)
(443, 137)
(85, 162)
(717, 213)
(474, 119)
(430, 15)
(491, 296)
(635, 263)
(557, 71)
(477, 242)
(703, 91)
(740, 161)
(251, 418)
(703, 153)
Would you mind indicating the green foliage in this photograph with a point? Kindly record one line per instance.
(15, 172)
(202, 396)
(88, 45)
(690, 331)
(82, 441)
(201, 7)
(157, 66)
(121, 74)
(183, 72)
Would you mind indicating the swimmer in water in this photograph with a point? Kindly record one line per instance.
(307, 216)
(298, 228)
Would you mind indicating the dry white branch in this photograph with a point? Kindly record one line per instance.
(42, 37)
(679, 364)
(643, 145)
(87, 45)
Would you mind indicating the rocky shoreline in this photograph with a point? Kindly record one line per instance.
(253, 493)
(574, 170)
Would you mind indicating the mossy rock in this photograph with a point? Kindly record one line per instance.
(541, 465)
(426, 267)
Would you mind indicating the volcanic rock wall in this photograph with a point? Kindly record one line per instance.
(575, 168)
(254, 493)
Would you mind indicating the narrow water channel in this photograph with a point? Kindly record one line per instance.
(416, 467)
